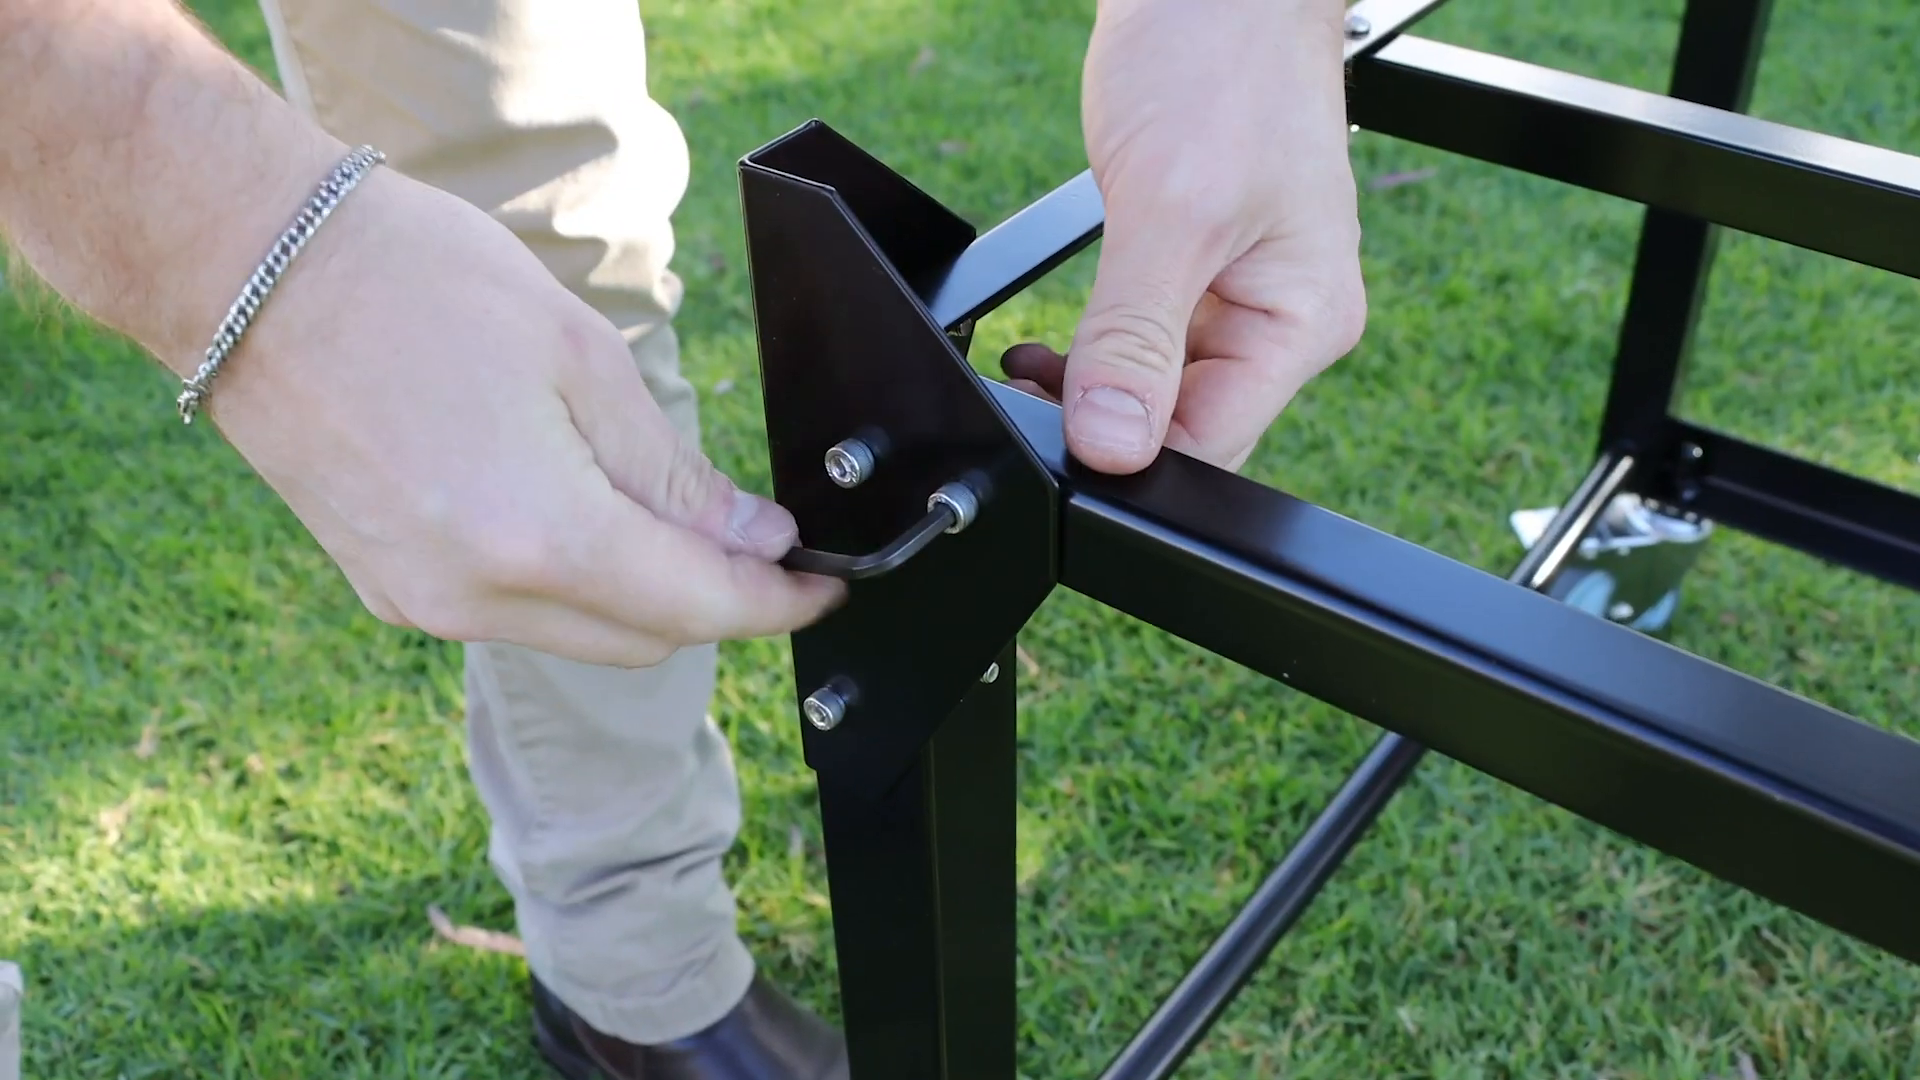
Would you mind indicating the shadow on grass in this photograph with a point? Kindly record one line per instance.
(353, 984)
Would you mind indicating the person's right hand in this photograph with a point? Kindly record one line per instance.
(474, 447)
(1230, 273)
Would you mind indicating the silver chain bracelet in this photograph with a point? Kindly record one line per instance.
(344, 178)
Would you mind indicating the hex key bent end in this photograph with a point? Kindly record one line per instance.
(940, 517)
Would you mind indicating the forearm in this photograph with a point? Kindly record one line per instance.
(143, 170)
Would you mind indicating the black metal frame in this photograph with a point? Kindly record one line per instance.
(866, 291)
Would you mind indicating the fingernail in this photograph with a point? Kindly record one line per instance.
(760, 523)
(1112, 420)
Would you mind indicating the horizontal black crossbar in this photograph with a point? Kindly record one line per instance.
(1784, 796)
(1845, 519)
(1722, 166)
(1814, 191)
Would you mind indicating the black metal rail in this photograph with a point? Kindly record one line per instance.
(1694, 165)
(1774, 792)
(1714, 65)
(1786, 797)
(1814, 191)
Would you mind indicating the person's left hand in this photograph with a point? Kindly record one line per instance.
(1230, 271)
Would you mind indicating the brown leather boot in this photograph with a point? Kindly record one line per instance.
(768, 1036)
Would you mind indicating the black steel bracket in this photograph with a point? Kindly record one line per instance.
(866, 291)
(844, 254)
(875, 349)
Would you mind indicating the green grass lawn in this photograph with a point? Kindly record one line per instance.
(228, 796)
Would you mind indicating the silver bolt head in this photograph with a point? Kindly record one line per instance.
(824, 708)
(960, 499)
(1358, 26)
(849, 463)
(1621, 611)
(992, 673)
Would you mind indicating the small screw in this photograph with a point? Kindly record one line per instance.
(1687, 486)
(1621, 611)
(992, 672)
(1358, 26)
(824, 708)
(849, 463)
(958, 498)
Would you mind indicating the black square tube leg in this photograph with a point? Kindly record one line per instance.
(1718, 54)
(924, 911)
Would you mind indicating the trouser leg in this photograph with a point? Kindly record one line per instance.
(611, 793)
(10, 993)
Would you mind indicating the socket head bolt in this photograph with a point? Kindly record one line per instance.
(1358, 26)
(824, 708)
(992, 674)
(849, 463)
(960, 499)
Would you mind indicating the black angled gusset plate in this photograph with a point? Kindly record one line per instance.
(835, 243)
(913, 231)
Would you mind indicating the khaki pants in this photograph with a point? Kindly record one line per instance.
(10, 987)
(611, 793)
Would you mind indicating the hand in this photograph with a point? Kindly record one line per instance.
(1229, 275)
(473, 446)
(467, 439)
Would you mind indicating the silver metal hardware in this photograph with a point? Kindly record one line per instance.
(319, 206)
(824, 708)
(992, 673)
(849, 463)
(958, 498)
(1629, 566)
(1358, 26)
(949, 510)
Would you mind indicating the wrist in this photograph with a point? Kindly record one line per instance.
(292, 241)
(1296, 43)
(241, 219)
(1314, 16)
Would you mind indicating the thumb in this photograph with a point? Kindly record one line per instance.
(1123, 369)
(669, 475)
(651, 463)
